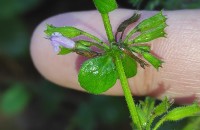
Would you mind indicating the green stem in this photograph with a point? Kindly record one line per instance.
(160, 122)
(127, 92)
(108, 27)
(148, 127)
(129, 35)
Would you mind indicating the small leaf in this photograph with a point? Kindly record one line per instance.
(67, 31)
(127, 22)
(142, 116)
(152, 22)
(152, 59)
(150, 35)
(162, 107)
(148, 105)
(130, 65)
(14, 100)
(64, 51)
(183, 112)
(105, 6)
(98, 74)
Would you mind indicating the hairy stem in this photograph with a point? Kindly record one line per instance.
(148, 127)
(108, 27)
(128, 96)
(160, 122)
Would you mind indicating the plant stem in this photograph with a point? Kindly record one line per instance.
(122, 76)
(148, 127)
(128, 96)
(108, 27)
(160, 122)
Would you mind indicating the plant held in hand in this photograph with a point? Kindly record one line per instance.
(118, 60)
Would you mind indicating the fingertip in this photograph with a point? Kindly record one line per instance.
(177, 78)
(62, 70)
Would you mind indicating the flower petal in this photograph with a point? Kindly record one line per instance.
(57, 39)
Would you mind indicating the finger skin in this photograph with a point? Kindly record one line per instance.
(179, 78)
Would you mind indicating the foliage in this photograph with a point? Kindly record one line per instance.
(14, 100)
(100, 72)
(165, 4)
(50, 106)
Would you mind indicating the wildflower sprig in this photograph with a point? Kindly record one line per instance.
(118, 59)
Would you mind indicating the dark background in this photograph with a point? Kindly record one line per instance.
(27, 100)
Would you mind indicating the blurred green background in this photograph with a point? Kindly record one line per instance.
(28, 101)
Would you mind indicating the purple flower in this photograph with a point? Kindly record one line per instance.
(57, 40)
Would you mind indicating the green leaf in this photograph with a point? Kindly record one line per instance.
(152, 22)
(162, 107)
(64, 51)
(67, 31)
(130, 65)
(145, 109)
(14, 100)
(98, 74)
(127, 22)
(193, 124)
(142, 116)
(148, 105)
(183, 112)
(152, 59)
(105, 6)
(150, 35)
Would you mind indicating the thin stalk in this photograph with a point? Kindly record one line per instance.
(148, 127)
(108, 27)
(128, 96)
(129, 35)
(96, 39)
(160, 122)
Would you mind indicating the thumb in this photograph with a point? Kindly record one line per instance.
(179, 78)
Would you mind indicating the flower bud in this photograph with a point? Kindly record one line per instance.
(153, 60)
(151, 34)
(152, 22)
(58, 40)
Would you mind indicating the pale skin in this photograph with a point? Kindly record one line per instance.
(178, 79)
